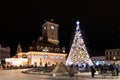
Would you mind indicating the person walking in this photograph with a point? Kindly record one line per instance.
(117, 72)
(71, 71)
(46, 67)
(92, 71)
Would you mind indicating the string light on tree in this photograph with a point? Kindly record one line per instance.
(78, 53)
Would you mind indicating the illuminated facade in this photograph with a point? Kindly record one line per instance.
(36, 59)
(41, 58)
(45, 50)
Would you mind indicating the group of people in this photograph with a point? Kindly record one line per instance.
(72, 70)
(112, 69)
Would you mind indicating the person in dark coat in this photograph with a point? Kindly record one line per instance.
(117, 72)
(46, 67)
(92, 71)
(71, 71)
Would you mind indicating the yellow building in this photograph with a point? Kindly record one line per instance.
(41, 58)
(45, 50)
(35, 58)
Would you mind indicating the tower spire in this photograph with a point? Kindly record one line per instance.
(19, 48)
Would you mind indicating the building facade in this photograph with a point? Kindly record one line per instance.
(112, 54)
(42, 58)
(45, 50)
(34, 58)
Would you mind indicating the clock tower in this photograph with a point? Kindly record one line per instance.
(50, 30)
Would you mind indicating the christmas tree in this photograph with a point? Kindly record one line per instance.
(78, 53)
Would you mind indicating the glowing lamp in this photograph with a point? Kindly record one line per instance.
(77, 22)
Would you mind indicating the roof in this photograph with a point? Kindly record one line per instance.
(44, 43)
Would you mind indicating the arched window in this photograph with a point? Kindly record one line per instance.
(35, 55)
(41, 56)
(57, 57)
(61, 57)
(51, 57)
(46, 56)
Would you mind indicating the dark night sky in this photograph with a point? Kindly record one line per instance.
(100, 22)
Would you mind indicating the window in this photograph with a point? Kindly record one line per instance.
(44, 27)
(52, 27)
(29, 56)
(61, 57)
(46, 56)
(41, 56)
(35, 56)
(57, 57)
(52, 57)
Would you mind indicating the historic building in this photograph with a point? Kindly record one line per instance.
(45, 50)
(4, 53)
(112, 54)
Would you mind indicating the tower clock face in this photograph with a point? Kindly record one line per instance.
(52, 27)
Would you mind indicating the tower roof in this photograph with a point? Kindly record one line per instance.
(47, 22)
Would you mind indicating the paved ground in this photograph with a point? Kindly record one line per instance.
(80, 76)
(17, 75)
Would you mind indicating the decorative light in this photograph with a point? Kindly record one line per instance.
(78, 22)
(78, 53)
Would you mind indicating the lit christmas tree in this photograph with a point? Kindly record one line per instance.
(78, 53)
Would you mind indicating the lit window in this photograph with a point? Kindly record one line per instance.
(29, 56)
(46, 56)
(52, 57)
(41, 56)
(44, 27)
(57, 57)
(35, 56)
(61, 57)
(52, 27)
